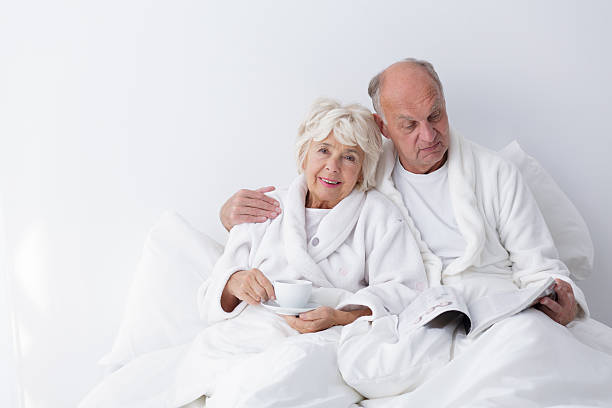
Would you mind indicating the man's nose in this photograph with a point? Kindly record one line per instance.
(428, 133)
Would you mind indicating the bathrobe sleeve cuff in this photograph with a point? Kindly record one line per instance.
(210, 295)
(363, 299)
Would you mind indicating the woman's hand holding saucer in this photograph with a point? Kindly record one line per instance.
(251, 285)
(323, 318)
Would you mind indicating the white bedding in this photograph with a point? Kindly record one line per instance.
(546, 365)
(275, 370)
(364, 256)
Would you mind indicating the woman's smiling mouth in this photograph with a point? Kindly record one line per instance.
(329, 182)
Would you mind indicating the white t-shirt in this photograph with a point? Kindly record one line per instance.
(313, 219)
(427, 198)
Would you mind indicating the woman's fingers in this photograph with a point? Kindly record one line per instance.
(310, 322)
(255, 285)
(301, 325)
(265, 283)
(316, 314)
(249, 299)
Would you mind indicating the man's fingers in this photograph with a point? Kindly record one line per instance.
(242, 219)
(256, 211)
(548, 312)
(565, 293)
(551, 305)
(266, 189)
(254, 194)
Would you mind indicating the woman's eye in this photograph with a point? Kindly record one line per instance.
(350, 158)
(323, 150)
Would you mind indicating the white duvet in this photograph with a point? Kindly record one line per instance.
(524, 361)
(364, 256)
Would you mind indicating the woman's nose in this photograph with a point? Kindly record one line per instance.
(332, 165)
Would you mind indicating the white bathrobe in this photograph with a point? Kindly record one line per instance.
(365, 256)
(363, 247)
(507, 241)
(508, 247)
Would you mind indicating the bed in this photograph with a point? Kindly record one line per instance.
(161, 319)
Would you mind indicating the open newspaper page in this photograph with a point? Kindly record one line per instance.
(480, 313)
(488, 310)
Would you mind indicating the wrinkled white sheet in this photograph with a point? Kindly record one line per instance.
(254, 360)
(544, 365)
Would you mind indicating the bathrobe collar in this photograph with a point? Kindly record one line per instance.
(333, 230)
(462, 185)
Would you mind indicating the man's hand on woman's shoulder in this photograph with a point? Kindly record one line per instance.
(249, 206)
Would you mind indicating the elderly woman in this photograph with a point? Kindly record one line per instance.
(334, 231)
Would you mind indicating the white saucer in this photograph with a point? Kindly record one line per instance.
(292, 311)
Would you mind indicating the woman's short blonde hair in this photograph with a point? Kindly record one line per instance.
(352, 125)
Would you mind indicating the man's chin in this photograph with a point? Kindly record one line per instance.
(436, 160)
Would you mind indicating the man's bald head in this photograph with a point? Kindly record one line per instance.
(405, 66)
(409, 95)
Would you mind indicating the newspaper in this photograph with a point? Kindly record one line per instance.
(479, 314)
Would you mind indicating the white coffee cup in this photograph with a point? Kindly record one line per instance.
(292, 292)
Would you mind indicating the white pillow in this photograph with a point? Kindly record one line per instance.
(161, 309)
(566, 225)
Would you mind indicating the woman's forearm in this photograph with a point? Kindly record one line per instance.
(228, 301)
(348, 317)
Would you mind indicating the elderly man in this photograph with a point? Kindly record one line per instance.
(478, 225)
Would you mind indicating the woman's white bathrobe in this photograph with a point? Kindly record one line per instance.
(365, 255)
(508, 246)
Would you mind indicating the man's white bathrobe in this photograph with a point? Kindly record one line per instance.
(364, 255)
(508, 247)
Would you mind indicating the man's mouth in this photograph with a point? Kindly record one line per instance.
(329, 182)
(430, 148)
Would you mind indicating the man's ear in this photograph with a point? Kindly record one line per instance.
(380, 124)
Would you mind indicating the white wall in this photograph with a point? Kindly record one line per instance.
(112, 111)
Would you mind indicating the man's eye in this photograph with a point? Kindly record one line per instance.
(409, 126)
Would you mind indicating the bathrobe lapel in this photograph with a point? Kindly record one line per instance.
(384, 184)
(462, 184)
(333, 231)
